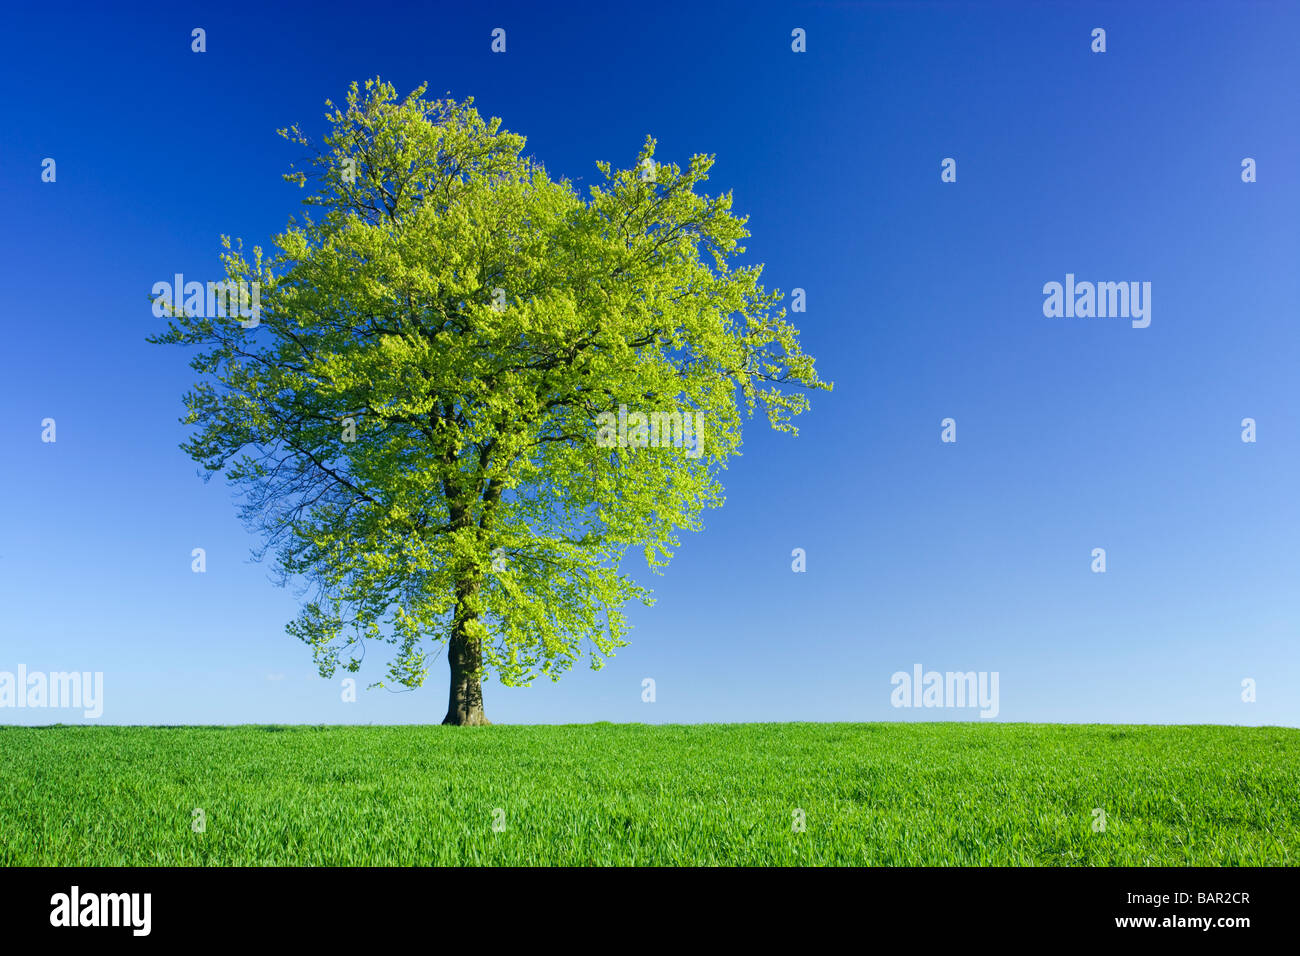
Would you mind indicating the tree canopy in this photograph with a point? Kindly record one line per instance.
(412, 421)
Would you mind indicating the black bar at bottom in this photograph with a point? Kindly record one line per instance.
(337, 906)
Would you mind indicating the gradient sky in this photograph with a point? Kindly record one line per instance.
(924, 302)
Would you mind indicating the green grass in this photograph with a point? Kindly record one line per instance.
(931, 793)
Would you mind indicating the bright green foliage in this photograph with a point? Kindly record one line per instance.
(475, 498)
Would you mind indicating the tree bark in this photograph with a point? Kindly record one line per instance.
(465, 654)
(465, 649)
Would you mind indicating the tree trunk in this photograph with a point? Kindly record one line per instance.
(465, 649)
(465, 654)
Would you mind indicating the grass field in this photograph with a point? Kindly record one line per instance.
(931, 793)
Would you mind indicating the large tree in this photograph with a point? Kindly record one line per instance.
(418, 422)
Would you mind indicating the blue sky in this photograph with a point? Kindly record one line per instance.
(924, 302)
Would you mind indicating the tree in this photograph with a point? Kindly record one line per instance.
(436, 420)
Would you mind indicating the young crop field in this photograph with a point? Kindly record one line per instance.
(631, 794)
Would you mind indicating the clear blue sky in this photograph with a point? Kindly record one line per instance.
(924, 302)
